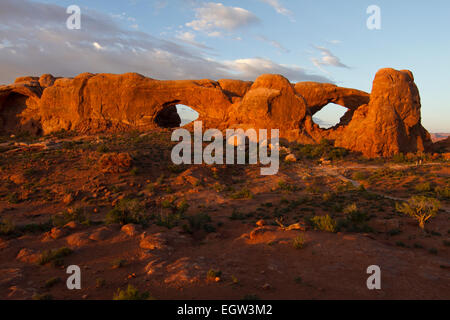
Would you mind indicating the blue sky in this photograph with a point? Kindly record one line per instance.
(323, 40)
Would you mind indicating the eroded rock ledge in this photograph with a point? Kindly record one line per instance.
(382, 123)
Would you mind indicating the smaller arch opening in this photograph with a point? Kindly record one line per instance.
(187, 114)
(329, 116)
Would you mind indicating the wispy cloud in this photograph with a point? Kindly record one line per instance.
(190, 38)
(35, 40)
(273, 43)
(213, 17)
(279, 8)
(327, 59)
(249, 69)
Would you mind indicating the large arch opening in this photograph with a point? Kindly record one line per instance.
(173, 115)
(329, 116)
(187, 114)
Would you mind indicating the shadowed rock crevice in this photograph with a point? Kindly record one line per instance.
(168, 117)
(13, 118)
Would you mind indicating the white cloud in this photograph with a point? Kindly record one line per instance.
(249, 69)
(335, 41)
(279, 8)
(327, 59)
(186, 36)
(97, 46)
(35, 40)
(215, 34)
(212, 17)
(190, 38)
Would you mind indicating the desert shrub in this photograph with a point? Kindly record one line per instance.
(176, 169)
(7, 227)
(298, 242)
(244, 193)
(284, 186)
(328, 196)
(127, 211)
(100, 282)
(423, 187)
(182, 207)
(325, 149)
(37, 227)
(219, 187)
(51, 282)
(358, 176)
(394, 232)
(442, 192)
(211, 275)
(324, 223)
(168, 219)
(236, 215)
(55, 256)
(13, 198)
(43, 296)
(200, 221)
(420, 208)
(355, 220)
(72, 214)
(102, 148)
(399, 158)
(131, 293)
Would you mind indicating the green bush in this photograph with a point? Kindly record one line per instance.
(51, 282)
(131, 293)
(73, 214)
(55, 256)
(399, 158)
(298, 242)
(324, 223)
(420, 208)
(442, 192)
(284, 186)
(200, 221)
(244, 193)
(7, 227)
(127, 211)
(325, 149)
(423, 187)
(355, 220)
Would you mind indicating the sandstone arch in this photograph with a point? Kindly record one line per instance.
(380, 124)
(318, 95)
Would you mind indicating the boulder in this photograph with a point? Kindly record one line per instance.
(116, 162)
(131, 229)
(153, 242)
(79, 239)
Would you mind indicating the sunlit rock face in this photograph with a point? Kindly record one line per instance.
(382, 123)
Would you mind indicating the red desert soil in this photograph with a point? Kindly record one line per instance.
(227, 221)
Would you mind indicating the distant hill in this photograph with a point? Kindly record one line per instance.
(439, 136)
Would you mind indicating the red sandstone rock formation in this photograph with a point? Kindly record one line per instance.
(391, 122)
(380, 124)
